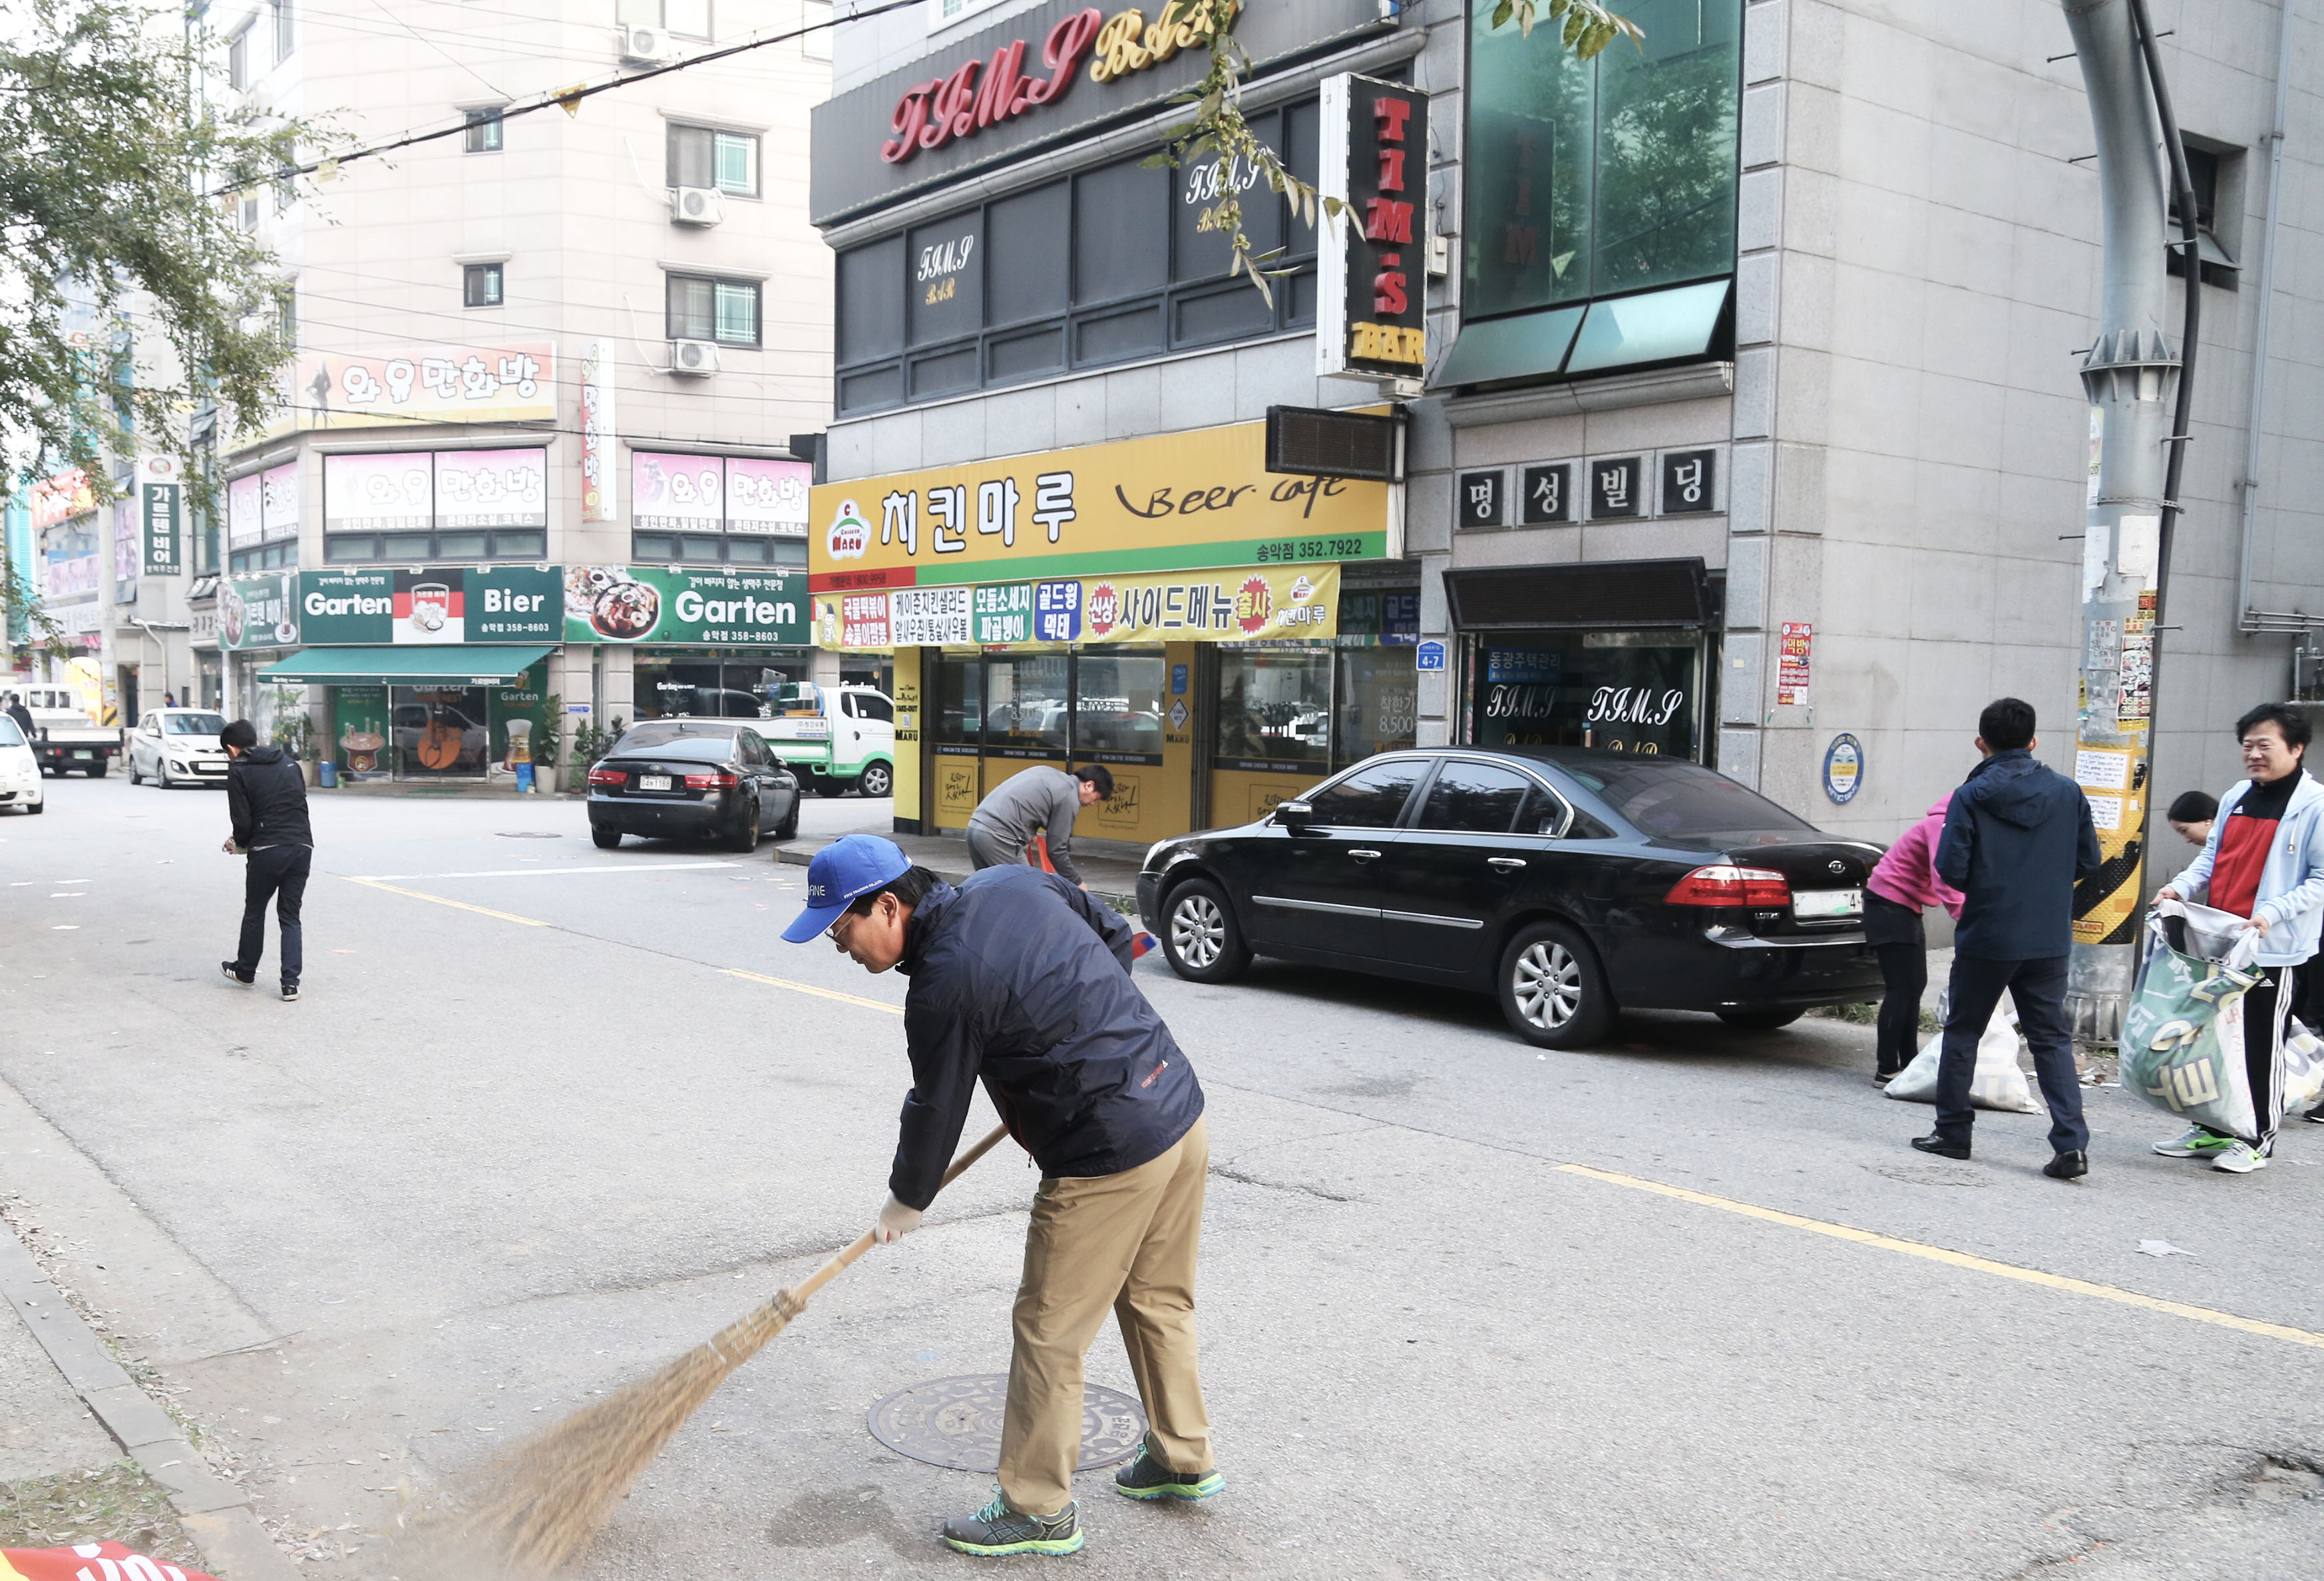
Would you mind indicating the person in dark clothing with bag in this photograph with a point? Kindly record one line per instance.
(1902, 885)
(2017, 839)
(1021, 980)
(266, 797)
(2265, 861)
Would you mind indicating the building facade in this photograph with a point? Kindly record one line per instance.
(549, 434)
(1751, 427)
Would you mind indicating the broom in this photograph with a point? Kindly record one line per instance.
(540, 1505)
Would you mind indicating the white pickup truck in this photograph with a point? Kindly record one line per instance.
(65, 734)
(834, 737)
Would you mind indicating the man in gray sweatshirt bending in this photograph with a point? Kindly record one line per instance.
(1028, 804)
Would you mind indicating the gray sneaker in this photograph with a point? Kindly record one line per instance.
(1148, 1478)
(996, 1530)
(2240, 1158)
(2196, 1142)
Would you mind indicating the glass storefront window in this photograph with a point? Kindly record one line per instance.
(438, 732)
(1379, 703)
(1274, 707)
(957, 693)
(1118, 704)
(714, 686)
(1626, 691)
(1027, 699)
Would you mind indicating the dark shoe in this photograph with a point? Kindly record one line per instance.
(1146, 1477)
(2316, 1114)
(2068, 1166)
(289, 992)
(244, 978)
(996, 1530)
(1883, 1078)
(1932, 1143)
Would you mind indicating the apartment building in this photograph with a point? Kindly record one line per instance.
(1751, 428)
(550, 431)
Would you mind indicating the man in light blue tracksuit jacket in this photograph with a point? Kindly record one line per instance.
(2265, 861)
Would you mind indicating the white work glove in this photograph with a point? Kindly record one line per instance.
(896, 1221)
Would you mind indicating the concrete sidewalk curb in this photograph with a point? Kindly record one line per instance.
(216, 1514)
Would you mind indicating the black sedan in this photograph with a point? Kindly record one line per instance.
(1572, 883)
(692, 780)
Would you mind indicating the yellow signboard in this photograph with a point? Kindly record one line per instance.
(1171, 502)
(1245, 604)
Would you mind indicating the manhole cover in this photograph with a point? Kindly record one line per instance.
(528, 835)
(955, 1422)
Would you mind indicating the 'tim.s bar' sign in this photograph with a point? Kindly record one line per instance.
(1373, 272)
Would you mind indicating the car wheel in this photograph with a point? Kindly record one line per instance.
(135, 777)
(825, 785)
(788, 828)
(744, 835)
(40, 806)
(97, 771)
(162, 774)
(877, 780)
(1760, 1020)
(604, 839)
(1200, 936)
(1551, 988)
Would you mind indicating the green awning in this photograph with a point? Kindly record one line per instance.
(461, 666)
(1526, 346)
(1659, 326)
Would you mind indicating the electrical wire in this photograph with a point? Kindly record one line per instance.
(567, 100)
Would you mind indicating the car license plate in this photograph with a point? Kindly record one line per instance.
(80, 754)
(653, 782)
(1818, 906)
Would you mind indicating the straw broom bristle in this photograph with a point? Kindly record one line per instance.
(536, 1506)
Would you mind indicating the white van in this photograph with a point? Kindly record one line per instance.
(837, 739)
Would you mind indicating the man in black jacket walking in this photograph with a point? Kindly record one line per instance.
(2017, 839)
(1021, 980)
(266, 797)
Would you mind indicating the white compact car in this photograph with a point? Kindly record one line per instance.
(19, 771)
(178, 746)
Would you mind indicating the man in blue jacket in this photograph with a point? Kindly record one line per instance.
(1021, 980)
(2017, 839)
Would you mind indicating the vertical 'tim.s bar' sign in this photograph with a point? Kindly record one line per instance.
(1372, 273)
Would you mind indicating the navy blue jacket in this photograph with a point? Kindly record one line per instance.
(1023, 981)
(2017, 839)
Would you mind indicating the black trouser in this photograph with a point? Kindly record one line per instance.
(2267, 1005)
(2038, 989)
(276, 873)
(1894, 934)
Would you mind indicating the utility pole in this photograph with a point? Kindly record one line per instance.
(2133, 376)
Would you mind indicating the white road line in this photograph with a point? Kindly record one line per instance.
(541, 872)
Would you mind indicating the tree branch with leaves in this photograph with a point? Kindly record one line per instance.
(1217, 125)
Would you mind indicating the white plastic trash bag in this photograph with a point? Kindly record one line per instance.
(2303, 1067)
(2183, 1037)
(1998, 1081)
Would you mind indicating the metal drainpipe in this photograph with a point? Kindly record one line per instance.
(2246, 617)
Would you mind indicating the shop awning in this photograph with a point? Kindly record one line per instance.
(1611, 595)
(1619, 332)
(477, 667)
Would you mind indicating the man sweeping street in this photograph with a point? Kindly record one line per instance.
(1023, 981)
(1040, 801)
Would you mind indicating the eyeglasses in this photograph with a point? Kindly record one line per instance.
(838, 930)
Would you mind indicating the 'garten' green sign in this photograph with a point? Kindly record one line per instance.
(714, 608)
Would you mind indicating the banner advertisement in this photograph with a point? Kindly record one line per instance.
(244, 517)
(1247, 604)
(161, 515)
(492, 488)
(1173, 501)
(278, 501)
(713, 607)
(259, 611)
(768, 496)
(600, 491)
(428, 383)
(715, 494)
(61, 498)
(457, 604)
(379, 493)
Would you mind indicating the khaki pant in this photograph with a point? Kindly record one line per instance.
(1126, 1241)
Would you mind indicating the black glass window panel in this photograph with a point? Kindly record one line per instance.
(461, 546)
(1121, 238)
(947, 279)
(1231, 313)
(1302, 134)
(342, 549)
(871, 292)
(944, 373)
(1299, 298)
(872, 388)
(1116, 336)
(1199, 190)
(1028, 257)
(520, 546)
(1026, 353)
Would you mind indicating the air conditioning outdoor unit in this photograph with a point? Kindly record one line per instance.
(698, 206)
(646, 46)
(694, 357)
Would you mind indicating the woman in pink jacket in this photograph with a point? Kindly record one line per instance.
(1901, 887)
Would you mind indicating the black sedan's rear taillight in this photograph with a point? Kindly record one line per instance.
(716, 779)
(611, 778)
(1724, 884)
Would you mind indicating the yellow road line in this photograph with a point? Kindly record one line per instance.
(2105, 1292)
(819, 993)
(506, 916)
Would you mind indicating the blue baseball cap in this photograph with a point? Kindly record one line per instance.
(843, 872)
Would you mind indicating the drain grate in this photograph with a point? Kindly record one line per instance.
(955, 1422)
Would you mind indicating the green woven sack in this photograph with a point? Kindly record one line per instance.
(2182, 1039)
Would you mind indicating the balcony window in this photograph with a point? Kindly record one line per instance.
(702, 157)
(480, 285)
(723, 310)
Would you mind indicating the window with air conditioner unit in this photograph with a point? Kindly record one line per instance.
(725, 312)
(703, 156)
(686, 19)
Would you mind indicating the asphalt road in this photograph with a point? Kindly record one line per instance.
(547, 1115)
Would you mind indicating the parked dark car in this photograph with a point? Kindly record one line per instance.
(1572, 883)
(692, 780)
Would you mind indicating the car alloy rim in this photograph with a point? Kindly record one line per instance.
(1548, 985)
(1198, 931)
(875, 781)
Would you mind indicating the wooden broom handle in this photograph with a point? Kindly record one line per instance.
(863, 1243)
